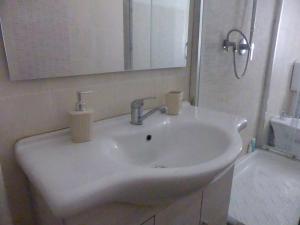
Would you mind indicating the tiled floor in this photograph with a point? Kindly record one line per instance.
(266, 190)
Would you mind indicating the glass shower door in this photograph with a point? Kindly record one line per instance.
(294, 149)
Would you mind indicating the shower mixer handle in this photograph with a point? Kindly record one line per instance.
(227, 44)
(244, 46)
(241, 47)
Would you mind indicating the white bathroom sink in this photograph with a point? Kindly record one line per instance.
(170, 145)
(167, 157)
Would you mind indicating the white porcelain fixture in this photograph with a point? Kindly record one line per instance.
(287, 134)
(167, 157)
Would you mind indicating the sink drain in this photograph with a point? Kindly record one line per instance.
(149, 137)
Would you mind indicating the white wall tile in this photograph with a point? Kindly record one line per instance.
(219, 89)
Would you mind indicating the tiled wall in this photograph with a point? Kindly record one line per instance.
(219, 89)
(33, 107)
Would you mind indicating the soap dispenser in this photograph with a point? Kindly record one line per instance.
(81, 120)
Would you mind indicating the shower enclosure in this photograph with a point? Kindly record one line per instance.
(279, 129)
(284, 132)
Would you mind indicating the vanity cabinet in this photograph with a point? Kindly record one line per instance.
(216, 198)
(185, 211)
(205, 207)
(208, 206)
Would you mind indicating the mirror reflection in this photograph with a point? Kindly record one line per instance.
(46, 38)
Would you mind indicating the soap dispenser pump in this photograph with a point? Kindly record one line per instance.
(81, 120)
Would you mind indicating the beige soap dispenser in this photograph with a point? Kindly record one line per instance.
(81, 120)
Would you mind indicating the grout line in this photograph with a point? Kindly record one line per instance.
(147, 220)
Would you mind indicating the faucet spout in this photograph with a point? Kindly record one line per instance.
(162, 109)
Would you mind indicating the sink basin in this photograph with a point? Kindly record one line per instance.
(167, 157)
(170, 145)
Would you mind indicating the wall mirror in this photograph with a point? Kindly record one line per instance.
(56, 38)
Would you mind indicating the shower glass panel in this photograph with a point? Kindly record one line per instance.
(295, 135)
(286, 127)
(282, 94)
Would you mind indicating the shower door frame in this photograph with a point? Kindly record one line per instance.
(195, 41)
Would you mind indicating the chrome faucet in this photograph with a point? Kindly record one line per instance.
(137, 111)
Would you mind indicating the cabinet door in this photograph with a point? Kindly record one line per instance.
(216, 198)
(184, 211)
(115, 214)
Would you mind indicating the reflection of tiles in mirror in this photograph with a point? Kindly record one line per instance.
(266, 190)
(59, 38)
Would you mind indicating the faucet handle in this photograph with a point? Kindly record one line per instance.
(140, 102)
